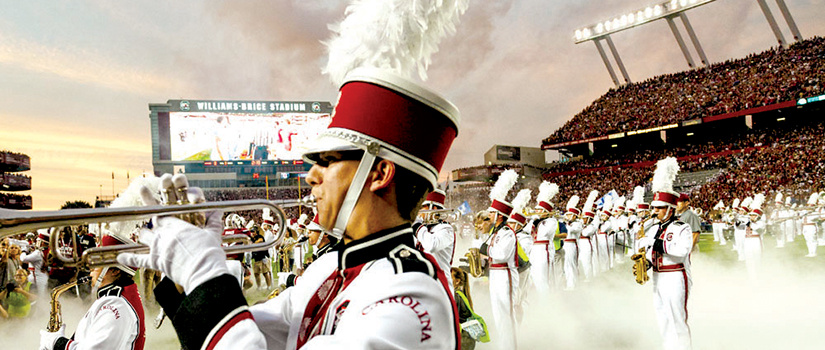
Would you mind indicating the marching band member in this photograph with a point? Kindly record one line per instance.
(604, 228)
(570, 243)
(729, 218)
(741, 223)
(503, 262)
(718, 224)
(542, 255)
(753, 235)
(589, 231)
(517, 222)
(115, 319)
(369, 177)
(642, 212)
(435, 236)
(776, 221)
(620, 221)
(322, 243)
(809, 225)
(788, 225)
(668, 244)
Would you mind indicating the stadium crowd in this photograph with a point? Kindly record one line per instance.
(280, 193)
(773, 76)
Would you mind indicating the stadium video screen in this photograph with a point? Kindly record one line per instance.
(224, 136)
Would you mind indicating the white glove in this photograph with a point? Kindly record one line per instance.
(646, 242)
(282, 277)
(47, 339)
(187, 254)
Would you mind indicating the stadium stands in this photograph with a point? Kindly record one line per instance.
(773, 76)
(214, 195)
(10, 182)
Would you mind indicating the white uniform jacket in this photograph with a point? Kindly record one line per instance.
(672, 247)
(375, 293)
(439, 241)
(113, 322)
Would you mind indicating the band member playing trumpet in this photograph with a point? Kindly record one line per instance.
(115, 319)
(434, 236)
(668, 245)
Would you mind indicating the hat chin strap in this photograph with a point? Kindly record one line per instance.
(353, 192)
(96, 283)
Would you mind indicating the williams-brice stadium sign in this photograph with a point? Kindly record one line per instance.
(249, 106)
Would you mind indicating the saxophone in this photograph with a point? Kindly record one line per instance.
(474, 260)
(55, 318)
(641, 264)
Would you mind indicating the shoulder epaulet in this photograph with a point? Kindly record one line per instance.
(406, 259)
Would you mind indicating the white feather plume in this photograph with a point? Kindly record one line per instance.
(547, 191)
(719, 205)
(788, 200)
(813, 198)
(638, 195)
(735, 203)
(778, 198)
(505, 182)
(573, 202)
(591, 198)
(521, 200)
(619, 202)
(608, 204)
(665, 174)
(746, 203)
(757, 202)
(397, 35)
(131, 198)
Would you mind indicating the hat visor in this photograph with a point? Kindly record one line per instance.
(327, 143)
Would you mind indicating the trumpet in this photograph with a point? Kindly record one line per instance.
(15, 222)
(447, 215)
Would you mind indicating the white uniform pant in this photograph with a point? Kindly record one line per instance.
(541, 267)
(739, 243)
(753, 255)
(604, 254)
(611, 248)
(809, 232)
(571, 264)
(719, 233)
(503, 293)
(788, 230)
(670, 295)
(586, 258)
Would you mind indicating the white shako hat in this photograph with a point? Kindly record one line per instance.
(436, 198)
(519, 203)
(498, 194)
(571, 205)
(756, 204)
(663, 177)
(588, 204)
(373, 53)
(639, 198)
(788, 200)
(547, 191)
(813, 199)
(778, 199)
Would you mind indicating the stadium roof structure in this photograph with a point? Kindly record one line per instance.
(667, 10)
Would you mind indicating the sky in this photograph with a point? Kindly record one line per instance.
(76, 77)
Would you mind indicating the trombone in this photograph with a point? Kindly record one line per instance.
(15, 222)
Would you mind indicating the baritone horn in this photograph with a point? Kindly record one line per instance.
(15, 222)
(447, 215)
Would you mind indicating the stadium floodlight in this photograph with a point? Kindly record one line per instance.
(638, 17)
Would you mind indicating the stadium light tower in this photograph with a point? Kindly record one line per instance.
(668, 10)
